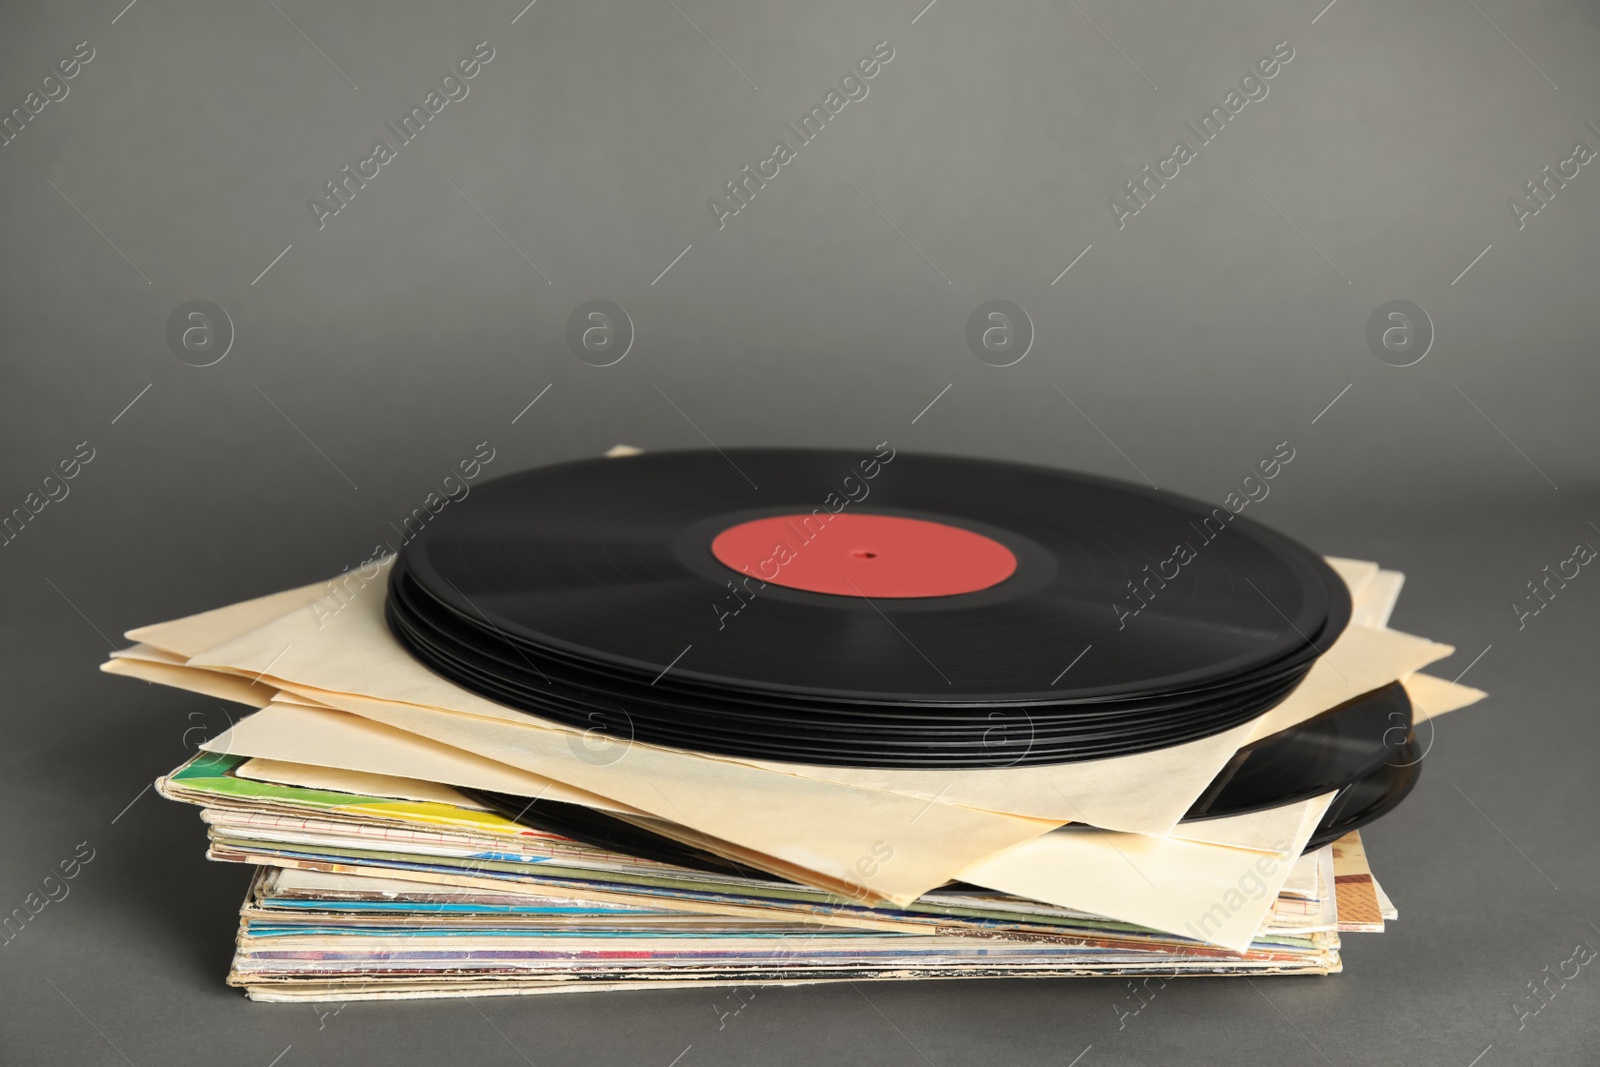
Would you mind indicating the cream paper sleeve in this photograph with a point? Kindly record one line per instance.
(1084, 872)
(340, 742)
(353, 652)
(193, 634)
(1212, 894)
(353, 655)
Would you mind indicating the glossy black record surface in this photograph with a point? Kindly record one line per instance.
(579, 558)
(1372, 796)
(591, 586)
(1332, 751)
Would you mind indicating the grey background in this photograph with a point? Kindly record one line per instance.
(377, 351)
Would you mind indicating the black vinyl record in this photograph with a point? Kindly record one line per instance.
(1362, 800)
(1372, 796)
(1330, 752)
(603, 830)
(996, 613)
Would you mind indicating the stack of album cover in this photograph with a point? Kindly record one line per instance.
(410, 889)
(597, 801)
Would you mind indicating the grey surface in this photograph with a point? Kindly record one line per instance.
(1221, 320)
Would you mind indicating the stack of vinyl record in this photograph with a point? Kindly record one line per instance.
(927, 629)
(592, 700)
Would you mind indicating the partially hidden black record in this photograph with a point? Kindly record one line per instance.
(1364, 795)
(1332, 751)
(602, 830)
(863, 608)
(1372, 796)
(1365, 750)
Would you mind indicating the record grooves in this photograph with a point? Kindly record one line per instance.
(634, 596)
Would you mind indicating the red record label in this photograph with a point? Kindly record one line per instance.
(854, 554)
